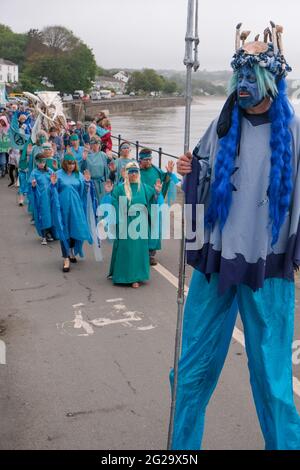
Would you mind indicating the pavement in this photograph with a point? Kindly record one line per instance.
(87, 363)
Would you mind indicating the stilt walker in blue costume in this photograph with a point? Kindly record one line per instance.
(245, 170)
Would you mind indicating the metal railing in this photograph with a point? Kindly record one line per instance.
(138, 145)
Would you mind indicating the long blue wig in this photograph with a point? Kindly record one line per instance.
(280, 182)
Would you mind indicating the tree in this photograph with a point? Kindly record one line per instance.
(148, 80)
(81, 62)
(59, 38)
(53, 54)
(28, 83)
(34, 44)
(170, 87)
(100, 71)
(153, 81)
(74, 70)
(136, 82)
(12, 45)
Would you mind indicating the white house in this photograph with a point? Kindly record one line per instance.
(110, 83)
(121, 76)
(9, 72)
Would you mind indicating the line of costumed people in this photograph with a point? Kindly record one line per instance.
(245, 170)
(66, 193)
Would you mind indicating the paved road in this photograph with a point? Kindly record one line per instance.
(87, 362)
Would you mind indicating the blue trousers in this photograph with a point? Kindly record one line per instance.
(2, 162)
(209, 319)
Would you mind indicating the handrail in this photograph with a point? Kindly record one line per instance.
(139, 145)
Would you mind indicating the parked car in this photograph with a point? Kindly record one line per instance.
(78, 94)
(67, 97)
(95, 95)
(105, 94)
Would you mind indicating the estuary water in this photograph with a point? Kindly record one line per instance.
(165, 127)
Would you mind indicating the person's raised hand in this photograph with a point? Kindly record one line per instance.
(53, 178)
(108, 186)
(158, 186)
(170, 166)
(112, 166)
(87, 175)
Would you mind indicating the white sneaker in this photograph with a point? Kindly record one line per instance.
(44, 241)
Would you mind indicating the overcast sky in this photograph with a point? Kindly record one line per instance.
(150, 33)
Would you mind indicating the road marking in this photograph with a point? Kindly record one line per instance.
(147, 328)
(78, 323)
(2, 353)
(296, 384)
(169, 276)
(119, 307)
(128, 318)
(238, 335)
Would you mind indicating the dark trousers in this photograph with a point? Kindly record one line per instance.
(45, 231)
(64, 252)
(13, 173)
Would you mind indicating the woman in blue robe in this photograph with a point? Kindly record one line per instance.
(41, 138)
(96, 163)
(76, 149)
(40, 193)
(69, 202)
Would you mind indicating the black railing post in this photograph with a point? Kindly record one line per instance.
(159, 157)
(119, 143)
(137, 146)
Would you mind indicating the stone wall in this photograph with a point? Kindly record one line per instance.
(87, 111)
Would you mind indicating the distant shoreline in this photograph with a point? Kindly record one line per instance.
(199, 99)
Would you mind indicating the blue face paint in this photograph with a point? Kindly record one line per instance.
(248, 90)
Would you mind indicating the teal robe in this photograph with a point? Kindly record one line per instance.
(130, 258)
(77, 154)
(150, 176)
(120, 164)
(96, 164)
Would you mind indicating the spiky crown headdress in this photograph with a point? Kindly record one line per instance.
(268, 55)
